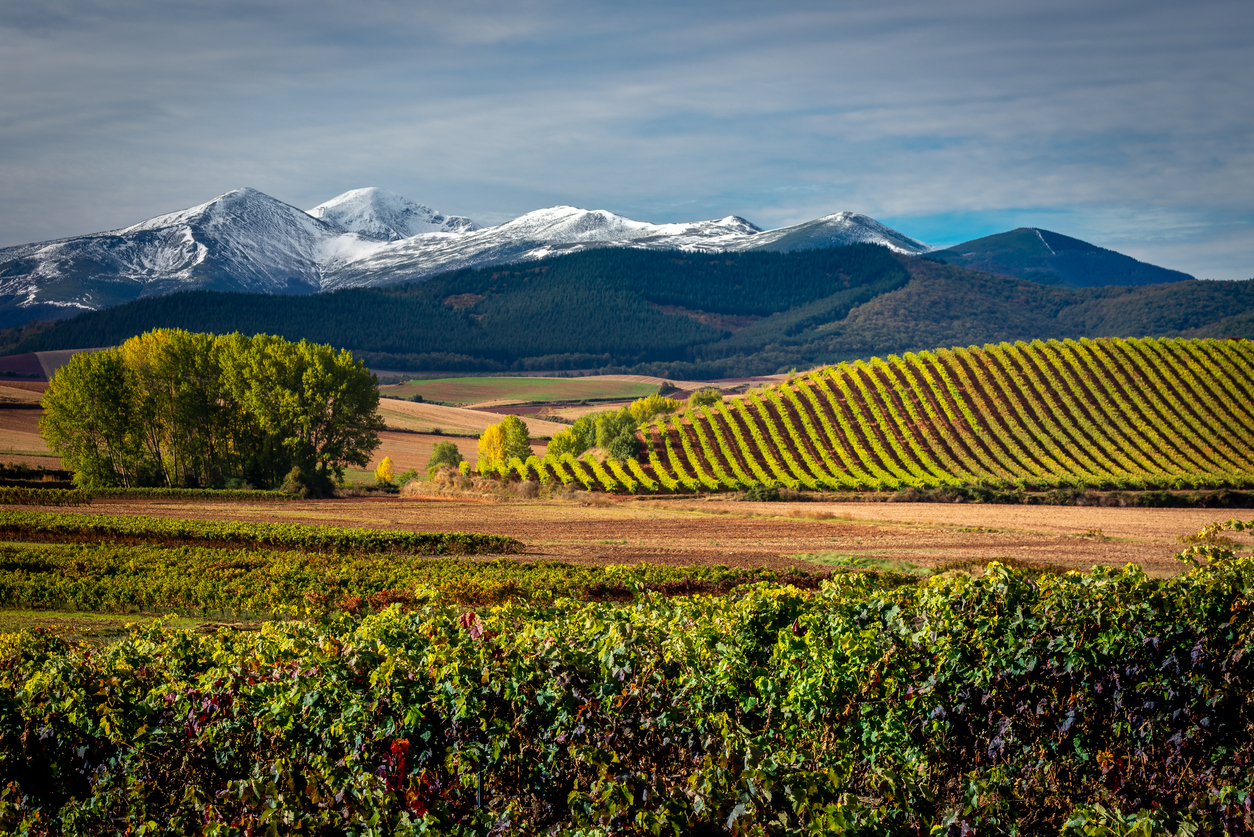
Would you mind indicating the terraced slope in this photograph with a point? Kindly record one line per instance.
(1108, 413)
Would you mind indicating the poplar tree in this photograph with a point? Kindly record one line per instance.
(180, 409)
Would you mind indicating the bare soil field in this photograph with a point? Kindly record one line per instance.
(20, 440)
(683, 532)
(423, 418)
(22, 392)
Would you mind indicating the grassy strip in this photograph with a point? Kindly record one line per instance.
(1100, 705)
(54, 527)
(212, 582)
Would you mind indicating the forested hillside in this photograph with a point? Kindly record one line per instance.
(680, 315)
(1052, 259)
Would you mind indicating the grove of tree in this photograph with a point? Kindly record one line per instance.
(176, 408)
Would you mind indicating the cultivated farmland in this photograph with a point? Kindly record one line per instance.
(461, 391)
(1111, 413)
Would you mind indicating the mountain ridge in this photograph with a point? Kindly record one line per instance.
(245, 240)
(693, 316)
(248, 241)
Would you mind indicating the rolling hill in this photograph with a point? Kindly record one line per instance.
(1112, 413)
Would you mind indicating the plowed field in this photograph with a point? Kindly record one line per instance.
(752, 534)
(20, 440)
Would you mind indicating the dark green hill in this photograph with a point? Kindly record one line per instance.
(1051, 259)
(680, 314)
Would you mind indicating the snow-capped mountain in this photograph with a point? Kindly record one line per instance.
(386, 216)
(545, 232)
(834, 230)
(248, 241)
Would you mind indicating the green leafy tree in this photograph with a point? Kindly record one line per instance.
(176, 408)
(185, 417)
(616, 433)
(318, 406)
(443, 453)
(577, 438)
(88, 420)
(614, 424)
(623, 446)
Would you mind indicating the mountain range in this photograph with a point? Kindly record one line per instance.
(246, 240)
(694, 316)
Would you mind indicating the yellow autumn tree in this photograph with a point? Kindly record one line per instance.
(643, 409)
(383, 473)
(501, 442)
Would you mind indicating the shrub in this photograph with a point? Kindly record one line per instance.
(643, 409)
(624, 446)
(705, 397)
(443, 453)
(762, 493)
(614, 424)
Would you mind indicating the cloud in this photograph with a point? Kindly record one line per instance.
(1104, 115)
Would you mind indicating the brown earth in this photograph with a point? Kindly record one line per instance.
(28, 387)
(421, 417)
(682, 532)
(20, 440)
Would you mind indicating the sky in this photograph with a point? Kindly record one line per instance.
(1126, 124)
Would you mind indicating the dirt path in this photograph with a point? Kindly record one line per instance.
(681, 532)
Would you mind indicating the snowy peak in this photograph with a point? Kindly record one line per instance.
(734, 223)
(240, 211)
(386, 216)
(568, 224)
(835, 230)
(571, 225)
(246, 240)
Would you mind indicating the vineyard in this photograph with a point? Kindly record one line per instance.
(1015, 702)
(95, 528)
(240, 583)
(1138, 414)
